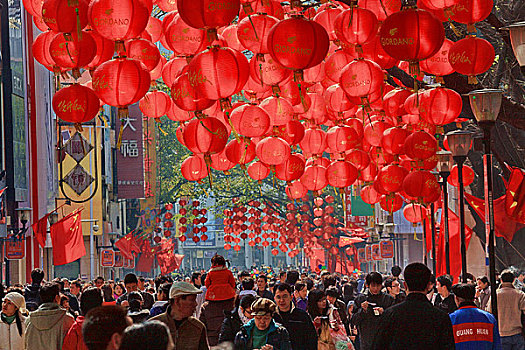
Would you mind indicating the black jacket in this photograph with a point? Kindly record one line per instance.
(366, 321)
(277, 337)
(300, 327)
(230, 326)
(32, 297)
(265, 294)
(414, 325)
(447, 305)
(146, 297)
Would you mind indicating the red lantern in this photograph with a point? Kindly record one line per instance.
(471, 11)
(391, 203)
(438, 64)
(118, 20)
(393, 141)
(326, 17)
(64, 15)
(34, 7)
(292, 132)
(186, 97)
(154, 28)
(218, 72)
(373, 51)
(471, 56)
(369, 195)
(73, 52)
(240, 151)
(104, 52)
(250, 120)
(374, 132)
(208, 14)
(76, 104)
(440, 106)
(420, 184)
(296, 190)
(335, 63)
(267, 71)
(258, 171)
(143, 51)
(182, 39)
(291, 169)
(358, 158)
(314, 177)
(176, 114)
(121, 81)
(468, 176)
(361, 78)
(313, 142)
(205, 136)
(393, 102)
(340, 139)
(167, 5)
(298, 43)
(220, 162)
(412, 35)
(279, 110)
(382, 9)
(253, 31)
(391, 177)
(341, 174)
(420, 145)
(369, 173)
(172, 69)
(356, 26)
(155, 104)
(338, 102)
(41, 50)
(273, 150)
(415, 213)
(194, 168)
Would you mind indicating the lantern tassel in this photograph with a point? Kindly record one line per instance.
(79, 29)
(79, 128)
(303, 102)
(455, 29)
(261, 73)
(122, 114)
(253, 26)
(472, 80)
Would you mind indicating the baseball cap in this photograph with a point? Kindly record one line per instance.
(183, 288)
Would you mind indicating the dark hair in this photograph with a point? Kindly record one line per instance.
(90, 299)
(309, 284)
(248, 283)
(484, 279)
(203, 278)
(37, 275)
(299, 286)
(101, 323)
(134, 300)
(49, 291)
(99, 278)
(60, 283)
(162, 279)
(292, 277)
(107, 291)
(374, 277)
(281, 287)
(130, 278)
(396, 271)
(389, 281)
(247, 300)
(142, 279)
(332, 291)
(507, 276)
(282, 273)
(329, 281)
(264, 277)
(76, 283)
(445, 281)
(151, 335)
(417, 276)
(218, 260)
(313, 297)
(466, 291)
(244, 273)
(195, 276)
(165, 288)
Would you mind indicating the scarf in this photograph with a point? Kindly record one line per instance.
(8, 319)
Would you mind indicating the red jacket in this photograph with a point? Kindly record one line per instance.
(220, 284)
(73, 339)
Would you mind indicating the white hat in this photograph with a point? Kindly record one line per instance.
(18, 300)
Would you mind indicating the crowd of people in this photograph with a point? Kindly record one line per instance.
(289, 310)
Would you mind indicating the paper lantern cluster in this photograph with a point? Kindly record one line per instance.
(192, 221)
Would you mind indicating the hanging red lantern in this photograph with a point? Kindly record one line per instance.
(358, 158)
(338, 102)
(273, 150)
(361, 78)
(167, 5)
(420, 145)
(34, 7)
(240, 151)
(374, 132)
(118, 20)
(440, 106)
(253, 31)
(373, 51)
(341, 174)
(394, 100)
(340, 139)
(291, 169)
(218, 72)
(420, 184)
(297, 43)
(296, 190)
(369, 173)
(104, 52)
(194, 168)
(205, 14)
(356, 26)
(279, 110)
(391, 203)
(266, 71)
(154, 28)
(155, 104)
(41, 50)
(415, 213)
(156, 72)
(205, 136)
(393, 140)
(382, 9)
(250, 120)
(65, 16)
(76, 104)
(468, 176)
(271, 7)
(438, 64)
(326, 17)
(172, 69)
(314, 141)
(73, 52)
(314, 177)
(391, 177)
(471, 56)
(369, 195)
(292, 132)
(258, 171)
(182, 39)
(470, 11)
(176, 114)
(143, 51)
(186, 97)
(121, 82)
(412, 35)
(335, 63)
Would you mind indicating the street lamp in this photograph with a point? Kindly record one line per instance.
(23, 215)
(485, 105)
(459, 142)
(517, 40)
(443, 167)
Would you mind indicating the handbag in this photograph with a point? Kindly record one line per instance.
(325, 341)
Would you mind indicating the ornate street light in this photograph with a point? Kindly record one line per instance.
(517, 40)
(485, 105)
(459, 142)
(443, 167)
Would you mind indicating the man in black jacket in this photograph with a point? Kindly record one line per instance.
(445, 300)
(262, 287)
(369, 309)
(415, 323)
(32, 291)
(234, 320)
(297, 322)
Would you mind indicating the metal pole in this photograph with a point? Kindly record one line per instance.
(91, 254)
(425, 233)
(433, 228)
(445, 175)
(489, 216)
(460, 160)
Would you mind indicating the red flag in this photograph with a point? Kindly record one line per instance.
(515, 196)
(67, 239)
(166, 257)
(145, 262)
(126, 245)
(454, 243)
(40, 230)
(344, 240)
(504, 226)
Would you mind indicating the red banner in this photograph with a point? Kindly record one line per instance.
(368, 253)
(387, 249)
(376, 252)
(107, 258)
(15, 250)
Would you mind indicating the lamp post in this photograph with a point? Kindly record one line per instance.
(485, 105)
(517, 40)
(459, 142)
(15, 232)
(444, 161)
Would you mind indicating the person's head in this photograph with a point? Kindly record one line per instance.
(164, 292)
(151, 335)
(243, 274)
(107, 292)
(141, 283)
(262, 281)
(482, 282)
(332, 293)
(374, 282)
(309, 284)
(13, 302)
(329, 280)
(99, 282)
(131, 282)
(417, 277)
(396, 271)
(64, 301)
(507, 276)
(196, 279)
(183, 299)
(392, 286)
(218, 260)
(103, 327)
(350, 307)
(263, 310)
(324, 274)
(75, 287)
(283, 296)
(50, 293)
(282, 276)
(247, 283)
(246, 305)
(119, 289)
(316, 303)
(66, 282)
(37, 275)
(301, 290)
(444, 284)
(292, 277)
(464, 292)
(135, 301)
(90, 299)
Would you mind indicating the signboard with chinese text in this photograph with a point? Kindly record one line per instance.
(15, 249)
(107, 258)
(368, 253)
(376, 252)
(130, 156)
(119, 260)
(387, 249)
